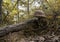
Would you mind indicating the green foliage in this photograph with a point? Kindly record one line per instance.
(15, 11)
(12, 12)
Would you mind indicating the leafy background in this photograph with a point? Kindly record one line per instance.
(15, 11)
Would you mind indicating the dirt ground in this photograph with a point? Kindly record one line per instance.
(19, 37)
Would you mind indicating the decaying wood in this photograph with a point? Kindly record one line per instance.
(13, 28)
(15, 33)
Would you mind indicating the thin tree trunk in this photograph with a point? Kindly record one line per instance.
(18, 9)
(1, 11)
(28, 7)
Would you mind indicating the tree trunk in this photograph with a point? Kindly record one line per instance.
(1, 11)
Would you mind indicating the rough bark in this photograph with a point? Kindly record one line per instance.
(15, 33)
(1, 11)
(17, 27)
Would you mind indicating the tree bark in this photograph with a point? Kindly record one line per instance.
(1, 11)
(16, 27)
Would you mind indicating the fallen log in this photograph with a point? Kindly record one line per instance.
(16, 27)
